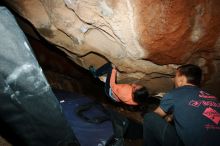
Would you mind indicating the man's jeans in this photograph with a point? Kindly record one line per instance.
(157, 132)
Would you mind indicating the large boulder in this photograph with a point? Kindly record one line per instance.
(145, 39)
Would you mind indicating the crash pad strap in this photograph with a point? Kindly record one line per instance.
(81, 109)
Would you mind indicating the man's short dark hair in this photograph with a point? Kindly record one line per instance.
(141, 95)
(192, 72)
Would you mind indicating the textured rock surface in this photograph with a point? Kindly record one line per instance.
(145, 39)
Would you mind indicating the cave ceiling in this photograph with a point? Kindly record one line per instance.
(145, 39)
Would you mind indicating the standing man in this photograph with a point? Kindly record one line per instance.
(196, 114)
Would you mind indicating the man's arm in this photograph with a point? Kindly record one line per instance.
(160, 112)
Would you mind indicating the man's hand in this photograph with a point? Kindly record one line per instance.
(160, 112)
(169, 118)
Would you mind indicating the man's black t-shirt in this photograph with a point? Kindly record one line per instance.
(196, 115)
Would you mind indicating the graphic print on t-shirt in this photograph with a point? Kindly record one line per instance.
(212, 115)
(206, 95)
(210, 105)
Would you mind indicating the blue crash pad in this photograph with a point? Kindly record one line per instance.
(88, 134)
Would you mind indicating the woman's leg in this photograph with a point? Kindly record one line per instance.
(102, 70)
(106, 68)
(107, 82)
